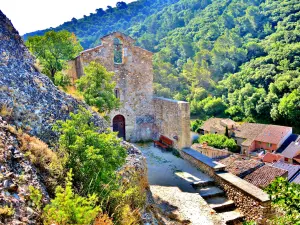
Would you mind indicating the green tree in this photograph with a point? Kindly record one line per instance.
(97, 87)
(94, 157)
(219, 141)
(285, 198)
(289, 107)
(70, 208)
(53, 49)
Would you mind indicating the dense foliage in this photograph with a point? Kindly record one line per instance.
(285, 197)
(53, 49)
(94, 157)
(91, 27)
(219, 141)
(97, 87)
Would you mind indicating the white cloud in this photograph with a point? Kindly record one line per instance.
(32, 15)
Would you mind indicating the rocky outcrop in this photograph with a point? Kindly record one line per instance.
(17, 174)
(28, 99)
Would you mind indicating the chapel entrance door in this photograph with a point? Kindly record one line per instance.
(119, 126)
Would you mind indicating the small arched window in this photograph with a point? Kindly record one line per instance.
(117, 93)
(118, 51)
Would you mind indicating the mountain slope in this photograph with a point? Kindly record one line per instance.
(120, 18)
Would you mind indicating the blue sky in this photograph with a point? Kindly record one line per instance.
(32, 15)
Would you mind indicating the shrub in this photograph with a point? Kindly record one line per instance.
(6, 211)
(70, 208)
(196, 124)
(219, 141)
(50, 163)
(94, 157)
(103, 219)
(36, 197)
(285, 198)
(61, 79)
(97, 88)
(126, 201)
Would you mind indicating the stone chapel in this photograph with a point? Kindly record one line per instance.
(142, 116)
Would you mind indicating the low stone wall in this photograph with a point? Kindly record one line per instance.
(253, 202)
(250, 200)
(173, 121)
(211, 152)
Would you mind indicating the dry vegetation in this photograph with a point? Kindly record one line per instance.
(49, 163)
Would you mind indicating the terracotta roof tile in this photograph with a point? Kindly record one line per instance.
(218, 124)
(239, 166)
(249, 130)
(264, 175)
(271, 157)
(273, 134)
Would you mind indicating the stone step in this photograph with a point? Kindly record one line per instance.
(199, 184)
(210, 191)
(221, 204)
(232, 217)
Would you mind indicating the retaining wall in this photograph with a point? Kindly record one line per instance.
(253, 202)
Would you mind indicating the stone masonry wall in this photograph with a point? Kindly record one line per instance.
(250, 200)
(173, 121)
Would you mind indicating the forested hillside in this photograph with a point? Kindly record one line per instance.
(239, 58)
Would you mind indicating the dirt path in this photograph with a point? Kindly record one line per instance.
(170, 181)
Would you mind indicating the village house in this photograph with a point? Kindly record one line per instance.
(218, 126)
(249, 136)
(291, 153)
(253, 136)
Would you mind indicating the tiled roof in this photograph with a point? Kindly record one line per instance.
(296, 179)
(264, 175)
(217, 123)
(292, 169)
(271, 157)
(239, 166)
(273, 134)
(289, 140)
(292, 150)
(297, 158)
(249, 130)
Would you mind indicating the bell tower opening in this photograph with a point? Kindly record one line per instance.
(118, 51)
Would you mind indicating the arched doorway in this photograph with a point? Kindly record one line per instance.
(119, 126)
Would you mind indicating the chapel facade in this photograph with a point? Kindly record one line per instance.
(142, 116)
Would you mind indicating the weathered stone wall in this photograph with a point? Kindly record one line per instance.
(250, 200)
(173, 120)
(255, 205)
(134, 79)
